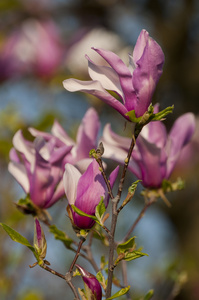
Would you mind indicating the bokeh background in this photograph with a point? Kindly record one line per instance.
(43, 42)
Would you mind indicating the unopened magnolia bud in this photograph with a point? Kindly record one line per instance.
(92, 286)
(100, 149)
(39, 240)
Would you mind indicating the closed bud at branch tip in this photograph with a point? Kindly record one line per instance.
(39, 240)
(92, 286)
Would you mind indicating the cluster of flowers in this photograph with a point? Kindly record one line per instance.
(53, 164)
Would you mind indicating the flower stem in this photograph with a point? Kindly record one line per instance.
(99, 161)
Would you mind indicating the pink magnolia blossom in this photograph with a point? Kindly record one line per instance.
(85, 191)
(38, 167)
(86, 139)
(134, 85)
(33, 48)
(156, 152)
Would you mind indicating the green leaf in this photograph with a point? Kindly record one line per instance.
(61, 235)
(122, 248)
(17, 237)
(120, 293)
(83, 214)
(162, 114)
(133, 187)
(134, 255)
(100, 210)
(149, 295)
(101, 279)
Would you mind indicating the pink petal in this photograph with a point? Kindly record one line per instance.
(70, 179)
(179, 136)
(95, 88)
(124, 74)
(87, 134)
(106, 76)
(19, 172)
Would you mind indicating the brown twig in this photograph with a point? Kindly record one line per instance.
(105, 177)
(141, 215)
(67, 279)
(126, 163)
(114, 220)
(82, 240)
(45, 267)
(125, 280)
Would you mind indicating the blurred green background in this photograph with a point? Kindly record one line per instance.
(43, 42)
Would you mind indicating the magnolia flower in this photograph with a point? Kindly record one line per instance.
(38, 167)
(92, 286)
(22, 52)
(134, 85)
(86, 139)
(85, 191)
(156, 152)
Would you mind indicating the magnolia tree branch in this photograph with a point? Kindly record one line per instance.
(82, 240)
(125, 279)
(105, 177)
(114, 221)
(126, 163)
(141, 215)
(65, 277)
(115, 202)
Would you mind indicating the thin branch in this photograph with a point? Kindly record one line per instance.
(114, 220)
(45, 267)
(82, 240)
(105, 177)
(73, 290)
(126, 163)
(141, 215)
(125, 279)
(68, 280)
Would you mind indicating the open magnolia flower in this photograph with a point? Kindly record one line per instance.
(134, 85)
(38, 167)
(156, 152)
(22, 52)
(85, 191)
(86, 139)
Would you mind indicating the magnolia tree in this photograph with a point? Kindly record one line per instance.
(50, 166)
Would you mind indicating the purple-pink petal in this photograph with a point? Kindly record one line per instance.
(147, 74)
(152, 163)
(87, 134)
(70, 179)
(91, 281)
(40, 180)
(124, 75)
(95, 88)
(91, 186)
(18, 170)
(38, 233)
(179, 136)
(108, 78)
